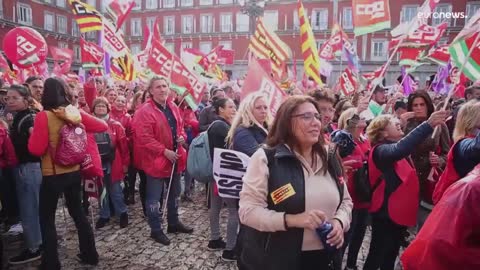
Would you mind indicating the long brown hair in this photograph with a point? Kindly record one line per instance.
(281, 131)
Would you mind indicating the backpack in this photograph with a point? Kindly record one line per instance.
(199, 161)
(72, 145)
(105, 146)
(361, 184)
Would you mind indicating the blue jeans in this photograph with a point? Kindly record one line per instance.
(28, 180)
(116, 194)
(155, 189)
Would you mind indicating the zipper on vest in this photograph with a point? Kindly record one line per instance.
(267, 242)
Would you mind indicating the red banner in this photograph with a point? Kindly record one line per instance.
(370, 15)
(348, 82)
(258, 80)
(92, 54)
(63, 60)
(166, 64)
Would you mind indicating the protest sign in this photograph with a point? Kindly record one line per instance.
(228, 169)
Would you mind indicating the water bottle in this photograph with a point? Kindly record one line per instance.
(323, 232)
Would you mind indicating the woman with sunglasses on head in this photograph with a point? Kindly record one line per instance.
(225, 108)
(351, 122)
(395, 194)
(292, 187)
(59, 179)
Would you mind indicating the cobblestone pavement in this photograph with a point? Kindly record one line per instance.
(131, 248)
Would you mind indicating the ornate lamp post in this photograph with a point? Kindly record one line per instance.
(254, 9)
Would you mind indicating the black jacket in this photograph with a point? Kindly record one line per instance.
(19, 133)
(206, 117)
(217, 134)
(281, 250)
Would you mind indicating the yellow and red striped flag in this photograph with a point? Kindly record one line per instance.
(265, 44)
(87, 17)
(123, 68)
(311, 60)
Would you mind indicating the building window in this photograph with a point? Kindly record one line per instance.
(150, 22)
(408, 13)
(270, 19)
(135, 48)
(138, 5)
(319, 43)
(24, 13)
(151, 4)
(226, 23)
(46, 1)
(224, 2)
(441, 11)
(243, 22)
(49, 21)
(93, 3)
(206, 2)
(62, 45)
(168, 3)
(320, 19)
(77, 53)
(187, 45)
(206, 23)
(103, 6)
(379, 50)
(227, 44)
(91, 35)
(347, 22)
(170, 47)
(1, 9)
(472, 7)
(136, 27)
(75, 28)
(205, 46)
(61, 24)
(61, 3)
(186, 3)
(187, 24)
(169, 25)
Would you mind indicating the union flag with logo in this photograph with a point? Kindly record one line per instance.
(92, 54)
(370, 16)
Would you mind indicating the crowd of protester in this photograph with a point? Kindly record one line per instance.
(322, 170)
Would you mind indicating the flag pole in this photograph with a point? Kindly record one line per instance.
(382, 72)
(457, 81)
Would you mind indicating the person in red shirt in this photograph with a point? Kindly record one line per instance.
(160, 137)
(115, 164)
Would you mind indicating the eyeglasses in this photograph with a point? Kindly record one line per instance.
(309, 116)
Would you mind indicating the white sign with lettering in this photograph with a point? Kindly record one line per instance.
(228, 169)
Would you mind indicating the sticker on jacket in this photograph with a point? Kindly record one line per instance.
(282, 193)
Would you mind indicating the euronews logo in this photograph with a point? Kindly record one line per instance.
(442, 15)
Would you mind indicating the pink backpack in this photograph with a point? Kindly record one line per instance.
(72, 145)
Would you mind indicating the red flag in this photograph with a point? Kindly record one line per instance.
(348, 82)
(425, 35)
(119, 10)
(62, 58)
(374, 74)
(258, 80)
(146, 35)
(27, 44)
(166, 64)
(370, 16)
(331, 47)
(92, 54)
(226, 57)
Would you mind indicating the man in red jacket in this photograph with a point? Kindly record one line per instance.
(160, 137)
